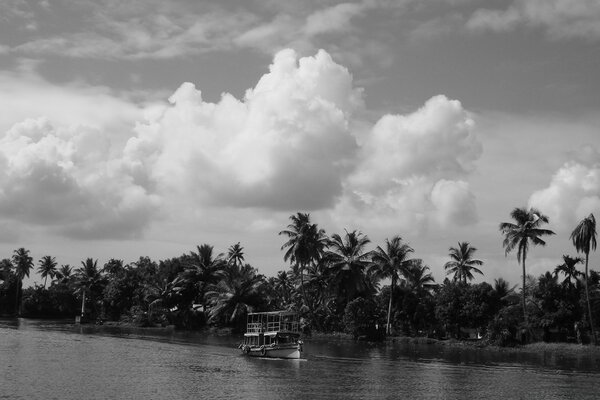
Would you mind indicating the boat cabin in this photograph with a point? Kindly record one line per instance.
(272, 328)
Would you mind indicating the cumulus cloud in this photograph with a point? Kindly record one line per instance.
(411, 166)
(559, 18)
(573, 192)
(287, 144)
(295, 141)
(64, 179)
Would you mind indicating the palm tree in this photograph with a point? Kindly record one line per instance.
(23, 263)
(203, 270)
(391, 263)
(584, 240)
(284, 287)
(347, 262)
(525, 230)
(462, 264)
(47, 268)
(569, 269)
(235, 254)
(88, 280)
(236, 294)
(64, 273)
(418, 279)
(305, 246)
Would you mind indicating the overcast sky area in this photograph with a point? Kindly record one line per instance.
(146, 128)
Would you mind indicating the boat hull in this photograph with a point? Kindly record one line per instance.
(292, 352)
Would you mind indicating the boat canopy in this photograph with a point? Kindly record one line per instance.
(272, 322)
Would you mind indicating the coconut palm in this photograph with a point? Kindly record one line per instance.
(203, 270)
(47, 268)
(391, 263)
(284, 287)
(569, 269)
(584, 240)
(462, 264)
(88, 281)
(418, 279)
(347, 262)
(305, 246)
(64, 273)
(235, 254)
(237, 293)
(525, 230)
(22, 263)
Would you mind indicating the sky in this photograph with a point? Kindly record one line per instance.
(146, 128)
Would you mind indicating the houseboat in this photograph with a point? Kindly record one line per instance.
(273, 334)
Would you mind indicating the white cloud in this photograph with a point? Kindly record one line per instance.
(561, 19)
(573, 193)
(294, 142)
(411, 167)
(286, 145)
(64, 179)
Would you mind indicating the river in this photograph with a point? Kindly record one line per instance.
(53, 360)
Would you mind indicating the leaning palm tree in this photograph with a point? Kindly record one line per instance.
(584, 240)
(569, 269)
(305, 246)
(22, 263)
(525, 230)
(47, 268)
(347, 262)
(462, 263)
(391, 263)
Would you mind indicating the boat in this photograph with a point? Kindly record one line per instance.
(274, 334)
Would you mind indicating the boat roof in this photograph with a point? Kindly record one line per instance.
(274, 313)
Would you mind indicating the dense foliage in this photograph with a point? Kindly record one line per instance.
(337, 283)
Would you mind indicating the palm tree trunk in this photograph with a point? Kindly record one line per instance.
(388, 329)
(83, 304)
(17, 305)
(45, 280)
(524, 296)
(587, 297)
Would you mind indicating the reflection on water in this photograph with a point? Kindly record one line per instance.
(45, 360)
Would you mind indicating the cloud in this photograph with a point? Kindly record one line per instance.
(573, 193)
(295, 141)
(286, 145)
(411, 167)
(561, 19)
(64, 180)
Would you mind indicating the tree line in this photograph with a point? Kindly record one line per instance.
(337, 283)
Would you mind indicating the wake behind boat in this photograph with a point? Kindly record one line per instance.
(273, 334)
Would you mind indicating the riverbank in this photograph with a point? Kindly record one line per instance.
(558, 349)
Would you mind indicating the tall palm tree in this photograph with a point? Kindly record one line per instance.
(391, 263)
(88, 281)
(47, 268)
(462, 263)
(525, 230)
(305, 246)
(347, 262)
(584, 240)
(22, 263)
(235, 254)
(569, 269)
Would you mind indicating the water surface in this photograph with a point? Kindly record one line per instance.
(52, 360)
